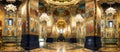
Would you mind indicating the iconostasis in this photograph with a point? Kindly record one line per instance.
(109, 16)
(10, 20)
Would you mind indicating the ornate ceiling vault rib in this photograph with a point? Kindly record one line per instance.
(63, 2)
(109, 1)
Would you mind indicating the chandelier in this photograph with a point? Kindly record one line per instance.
(79, 18)
(110, 10)
(43, 17)
(10, 7)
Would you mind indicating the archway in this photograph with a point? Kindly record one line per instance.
(61, 25)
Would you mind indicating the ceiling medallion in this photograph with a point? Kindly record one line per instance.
(110, 10)
(62, 2)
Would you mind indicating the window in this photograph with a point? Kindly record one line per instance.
(10, 22)
(61, 31)
(110, 24)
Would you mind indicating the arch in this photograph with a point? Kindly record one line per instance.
(61, 12)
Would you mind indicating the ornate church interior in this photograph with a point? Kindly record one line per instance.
(59, 25)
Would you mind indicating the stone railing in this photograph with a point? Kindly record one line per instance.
(10, 39)
(110, 42)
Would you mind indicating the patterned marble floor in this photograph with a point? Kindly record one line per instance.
(18, 49)
(57, 49)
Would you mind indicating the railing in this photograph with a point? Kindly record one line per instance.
(110, 42)
(10, 39)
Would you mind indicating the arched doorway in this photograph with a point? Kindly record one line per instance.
(61, 25)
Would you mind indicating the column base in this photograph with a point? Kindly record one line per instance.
(93, 42)
(29, 42)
